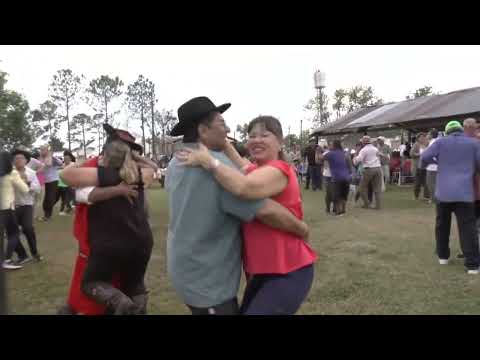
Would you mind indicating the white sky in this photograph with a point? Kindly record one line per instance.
(273, 80)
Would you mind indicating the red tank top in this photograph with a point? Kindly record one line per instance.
(271, 251)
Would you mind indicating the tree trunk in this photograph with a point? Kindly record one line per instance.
(99, 143)
(68, 127)
(163, 141)
(106, 109)
(143, 131)
(50, 128)
(84, 143)
(153, 132)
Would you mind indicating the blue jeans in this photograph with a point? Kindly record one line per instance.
(275, 294)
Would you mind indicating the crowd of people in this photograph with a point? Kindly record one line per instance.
(235, 198)
(30, 179)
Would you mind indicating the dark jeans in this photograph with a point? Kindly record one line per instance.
(315, 175)
(24, 217)
(277, 294)
(431, 179)
(329, 188)
(229, 307)
(51, 197)
(13, 235)
(3, 289)
(341, 190)
(67, 196)
(104, 266)
(421, 181)
(477, 209)
(465, 214)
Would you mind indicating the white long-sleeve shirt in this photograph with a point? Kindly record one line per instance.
(28, 198)
(326, 167)
(368, 156)
(82, 194)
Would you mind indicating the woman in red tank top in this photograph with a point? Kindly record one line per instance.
(279, 265)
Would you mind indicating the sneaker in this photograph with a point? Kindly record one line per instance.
(38, 258)
(473, 272)
(24, 261)
(10, 265)
(62, 213)
(443, 261)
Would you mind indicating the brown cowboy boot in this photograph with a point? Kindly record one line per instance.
(106, 294)
(66, 310)
(140, 302)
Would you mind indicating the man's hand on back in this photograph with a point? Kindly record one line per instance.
(129, 191)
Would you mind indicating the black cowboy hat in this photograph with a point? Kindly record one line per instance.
(123, 135)
(193, 111)
(69, 153)
(24, 151)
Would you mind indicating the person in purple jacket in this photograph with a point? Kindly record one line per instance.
(458, 159)
(341, 170)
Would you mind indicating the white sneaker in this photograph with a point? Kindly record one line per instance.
(473, 272)
(61, 213)
(443, 261)
(24, 261)
(10, 265)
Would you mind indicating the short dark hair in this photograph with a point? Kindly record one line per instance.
(6, 163)
(191, 134)
(271, 124)
(337, 144)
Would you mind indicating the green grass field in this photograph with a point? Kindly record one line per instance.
(370, 263)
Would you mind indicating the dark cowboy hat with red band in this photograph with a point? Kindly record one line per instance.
(24, 151)
(123, 135)
(193, 111)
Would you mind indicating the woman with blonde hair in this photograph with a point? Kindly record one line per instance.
(120, 237)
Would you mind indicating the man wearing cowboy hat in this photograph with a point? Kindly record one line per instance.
(372, 172)
(458, 159)
(314, 172)
(204, 240)
(24, 204)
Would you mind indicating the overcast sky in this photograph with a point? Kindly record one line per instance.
(274, 80)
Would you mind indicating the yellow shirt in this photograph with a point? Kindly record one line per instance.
(8, 184)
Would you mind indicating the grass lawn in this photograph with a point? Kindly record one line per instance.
(370, 263)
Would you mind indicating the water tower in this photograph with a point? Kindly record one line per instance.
(319, 81)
